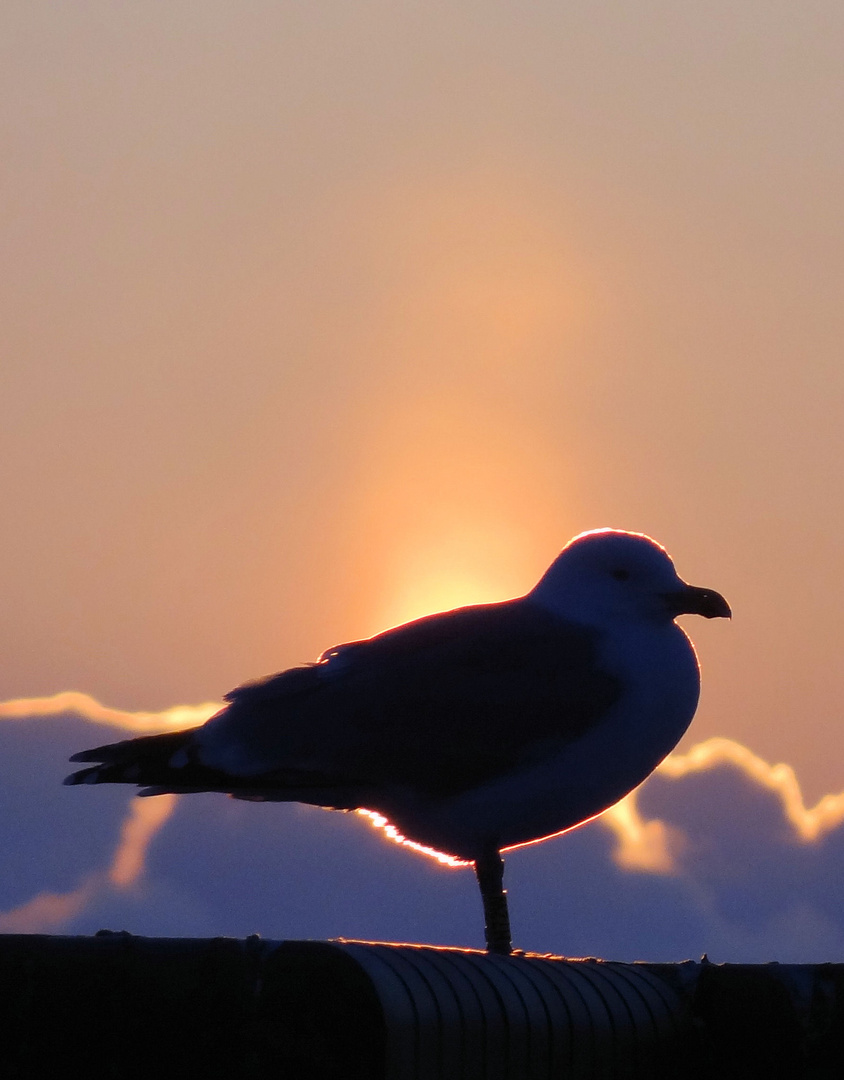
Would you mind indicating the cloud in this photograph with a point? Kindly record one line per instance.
(810, 824)
(646, 844)
(176, 718)
(717, 852)
(642, 845)
(48, 911)
(143, 822)
(39, 820)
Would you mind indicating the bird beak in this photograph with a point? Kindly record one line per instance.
(691, 600)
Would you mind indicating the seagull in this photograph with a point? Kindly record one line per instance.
(471, 731)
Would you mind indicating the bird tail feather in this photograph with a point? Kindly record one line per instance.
(148, 760)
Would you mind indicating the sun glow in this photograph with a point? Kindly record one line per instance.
(440, 590)
(463, 563)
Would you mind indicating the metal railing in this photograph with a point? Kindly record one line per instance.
(120, 1006)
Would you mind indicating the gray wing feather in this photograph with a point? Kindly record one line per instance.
(441, 704)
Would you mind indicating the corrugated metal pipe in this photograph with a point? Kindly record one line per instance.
(119, 1006)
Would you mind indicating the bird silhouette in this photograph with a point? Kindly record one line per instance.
(471, 731)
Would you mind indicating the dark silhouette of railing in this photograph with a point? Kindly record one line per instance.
(118, 1006)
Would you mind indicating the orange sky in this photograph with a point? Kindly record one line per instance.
(319, 317)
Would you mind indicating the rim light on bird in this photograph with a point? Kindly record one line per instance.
(471, 731)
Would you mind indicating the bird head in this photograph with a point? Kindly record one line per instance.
(611, 574)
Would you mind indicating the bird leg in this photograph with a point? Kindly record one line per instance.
(489, 870)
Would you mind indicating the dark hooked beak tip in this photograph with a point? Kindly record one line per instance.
(694, 601)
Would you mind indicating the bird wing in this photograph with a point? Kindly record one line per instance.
(441, 704)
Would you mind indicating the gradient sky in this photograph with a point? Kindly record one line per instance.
(317, 317)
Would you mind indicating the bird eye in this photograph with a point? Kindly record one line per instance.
(620, 574)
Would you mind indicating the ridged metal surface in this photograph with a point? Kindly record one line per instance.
(453, 1015)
